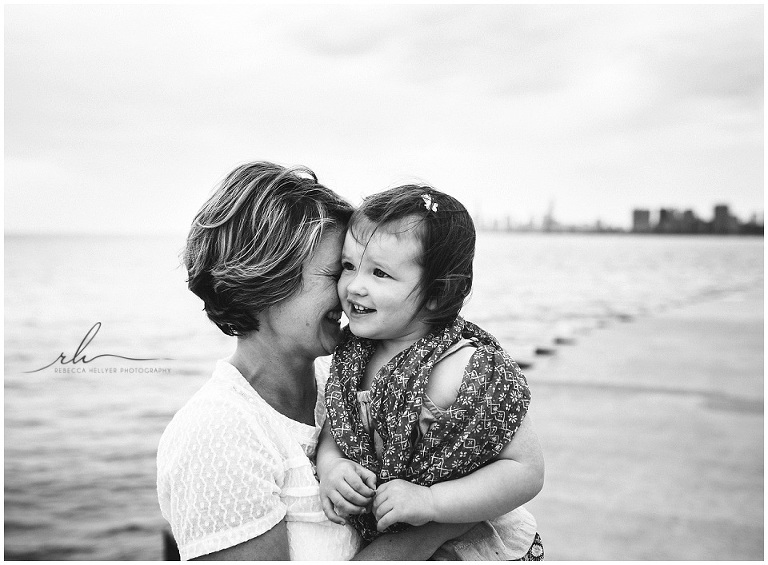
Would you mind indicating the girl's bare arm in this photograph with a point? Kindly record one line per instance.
(511, 480)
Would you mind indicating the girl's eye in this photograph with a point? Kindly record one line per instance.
(347, 266)
(379, 273)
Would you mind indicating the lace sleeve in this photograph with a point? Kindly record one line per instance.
(219, 481)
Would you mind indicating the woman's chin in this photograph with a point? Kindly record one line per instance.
(332, 336)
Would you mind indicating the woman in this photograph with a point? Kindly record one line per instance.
(235, 465)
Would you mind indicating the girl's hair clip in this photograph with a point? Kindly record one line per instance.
(428, 204)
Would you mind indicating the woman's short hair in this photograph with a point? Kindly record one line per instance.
(446, 232)
(248, 242)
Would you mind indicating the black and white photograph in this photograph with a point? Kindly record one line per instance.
(464, 282)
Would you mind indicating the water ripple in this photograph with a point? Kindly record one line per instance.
(80, 448)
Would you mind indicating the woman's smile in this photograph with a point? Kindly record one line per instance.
(334, 316)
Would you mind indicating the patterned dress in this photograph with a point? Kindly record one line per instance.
(492, 402)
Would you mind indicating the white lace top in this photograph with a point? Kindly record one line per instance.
(230, 467)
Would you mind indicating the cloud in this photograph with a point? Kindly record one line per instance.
(505, 106)
(345, 32)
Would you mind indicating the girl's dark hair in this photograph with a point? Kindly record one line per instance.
(248, 242)
(447, 235)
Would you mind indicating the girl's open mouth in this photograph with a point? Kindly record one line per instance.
(357, 309)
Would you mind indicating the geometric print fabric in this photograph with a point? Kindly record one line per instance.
(491, 403)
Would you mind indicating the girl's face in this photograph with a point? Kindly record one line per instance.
(380, 282)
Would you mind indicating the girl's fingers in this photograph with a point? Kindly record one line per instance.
(383, 488)
(382, 509)
(381, 498)
(353, 496)
(368, 477)
(330, 512)
(342, 506)
(387, 519)
(359, 488)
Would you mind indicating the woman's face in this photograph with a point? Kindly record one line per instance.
(307, 324)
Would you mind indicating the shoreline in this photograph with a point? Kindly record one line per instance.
(652, 431)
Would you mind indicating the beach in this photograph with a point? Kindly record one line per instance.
(652, 431)
(651, 428)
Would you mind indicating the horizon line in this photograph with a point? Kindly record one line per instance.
(23, 233)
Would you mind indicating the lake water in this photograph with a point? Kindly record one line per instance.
(80, 446)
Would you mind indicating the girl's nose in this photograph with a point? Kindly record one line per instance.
(356, 286)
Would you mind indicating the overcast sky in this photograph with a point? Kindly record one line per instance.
(124, 118)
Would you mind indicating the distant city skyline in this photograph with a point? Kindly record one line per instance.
(643, 220)
(123, 118)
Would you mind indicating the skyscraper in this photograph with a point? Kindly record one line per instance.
(641, 221)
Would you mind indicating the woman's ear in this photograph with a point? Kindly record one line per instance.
(432, 304)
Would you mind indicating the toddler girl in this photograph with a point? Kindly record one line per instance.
(426, 409)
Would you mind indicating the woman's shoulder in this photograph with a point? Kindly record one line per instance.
(217, 396)
(322, 370)
(218, 414)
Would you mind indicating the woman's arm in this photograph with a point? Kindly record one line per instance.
(514, 478)
(272, 545)
(414, 544)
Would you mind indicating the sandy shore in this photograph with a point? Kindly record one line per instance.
(652, 431)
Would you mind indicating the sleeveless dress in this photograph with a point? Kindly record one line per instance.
(512, 536)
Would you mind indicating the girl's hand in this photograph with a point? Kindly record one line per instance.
(347, 488)
(401, 501)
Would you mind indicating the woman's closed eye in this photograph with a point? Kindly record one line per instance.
(331, 273)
